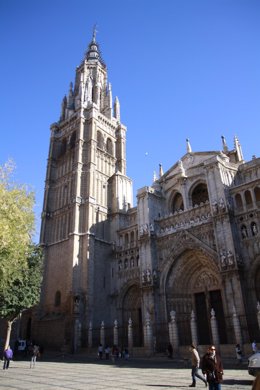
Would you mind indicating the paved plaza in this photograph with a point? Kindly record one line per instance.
(99, 375)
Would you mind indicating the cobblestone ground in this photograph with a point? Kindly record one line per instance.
(99, 375)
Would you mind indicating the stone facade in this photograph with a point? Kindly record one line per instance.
(183, 264)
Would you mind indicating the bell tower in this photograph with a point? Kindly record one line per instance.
(85, 183)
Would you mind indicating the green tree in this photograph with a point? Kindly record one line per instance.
(20, 259)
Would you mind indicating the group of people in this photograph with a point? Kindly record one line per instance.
(114, 352)
(33, 350)
(212, 368)
(210, 365)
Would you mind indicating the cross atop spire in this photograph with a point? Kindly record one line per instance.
(94, 33)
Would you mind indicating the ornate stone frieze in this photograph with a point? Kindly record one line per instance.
(206, 280)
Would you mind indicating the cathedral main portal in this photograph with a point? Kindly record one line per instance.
(193, 285)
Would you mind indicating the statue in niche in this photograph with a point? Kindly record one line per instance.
(143, 277)
(172, 315)
(221, 204)
(119, 265)
(230, 258)
(254, 229)
(223, 258)
(215, 206)
(76, 303)
(244, 231)
(148, 275)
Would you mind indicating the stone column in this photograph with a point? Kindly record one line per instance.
(174, 331)
(170, 333)
(102, 334)
(115, 333)
(193, 328)
(148, 337)
(130, 334)
(214, 328)
(77, 334)
(258, 314)
(90, 335)
(237, 327)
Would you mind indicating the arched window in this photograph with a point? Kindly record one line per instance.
(177, 203)
(57, 300)
(248, 198)
(137, 261)
(100, 140)
(73, 140)
(257, 195)
(63, 147)
(239, 203)
(126, 240)
(109, 146)
(132, 237)
(125, 264)
(199, 194)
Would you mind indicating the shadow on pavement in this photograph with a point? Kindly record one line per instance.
(233, 382)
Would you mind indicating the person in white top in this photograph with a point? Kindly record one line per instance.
(195, 363)
(254, 347)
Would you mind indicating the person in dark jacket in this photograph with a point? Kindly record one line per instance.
(8, 355)
(211, 365)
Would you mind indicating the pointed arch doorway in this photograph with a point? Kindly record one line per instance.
(132, 308)
(194, 283)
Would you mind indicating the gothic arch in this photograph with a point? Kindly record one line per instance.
(248, 198)
(254, 277)
(109, 147)
(131, 304)
(194, 283)
(238, 202)
(182, 243)
(100, 140)
(257, 195)
(198, 193)
(176, 202)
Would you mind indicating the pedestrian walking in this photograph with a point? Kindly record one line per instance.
(239, 354)
(211, 365)
(195, 363)
(254, 347)
(35, 354)
(8, 355)
(100, 351)
(107, 352)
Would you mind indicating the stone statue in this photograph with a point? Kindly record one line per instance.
(230, 258)
(244, 231)
(254, 229)
(148, 275)
(223, 258)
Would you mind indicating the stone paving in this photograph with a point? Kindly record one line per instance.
(92, 374)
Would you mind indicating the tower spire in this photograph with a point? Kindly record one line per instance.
(93, 53)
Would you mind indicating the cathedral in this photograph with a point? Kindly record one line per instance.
(181, 266)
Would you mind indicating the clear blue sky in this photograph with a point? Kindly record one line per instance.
(181, 68)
